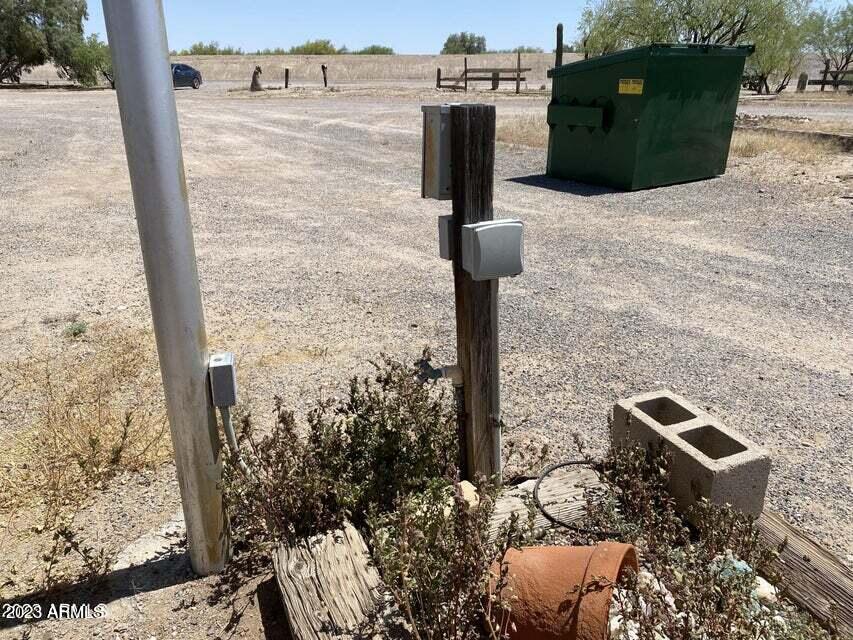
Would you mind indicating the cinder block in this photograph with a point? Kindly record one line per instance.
(708, 460)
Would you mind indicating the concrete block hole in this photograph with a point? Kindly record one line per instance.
(665, 411)
(712, 442)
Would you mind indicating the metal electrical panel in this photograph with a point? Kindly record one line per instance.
(445, 237)
(223, 380)
(493, 249)
(435, 172)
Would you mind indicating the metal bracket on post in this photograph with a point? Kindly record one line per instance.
(137, 37)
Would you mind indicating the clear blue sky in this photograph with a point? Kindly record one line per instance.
(407, 26)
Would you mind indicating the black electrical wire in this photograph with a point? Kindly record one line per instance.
(554, 520)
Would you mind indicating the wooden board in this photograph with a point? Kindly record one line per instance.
(815, 579)
(328, 584)
(563, 494)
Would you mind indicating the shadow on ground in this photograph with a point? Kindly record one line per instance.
(543, 181)
(167, 570)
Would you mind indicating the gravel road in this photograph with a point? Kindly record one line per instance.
(316, 253)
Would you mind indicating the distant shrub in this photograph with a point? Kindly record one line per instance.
(375, 50)
(278, 51)
(211, 48)
(464, 42)
(316, 48)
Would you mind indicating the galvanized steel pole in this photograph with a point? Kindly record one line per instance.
(136, 32)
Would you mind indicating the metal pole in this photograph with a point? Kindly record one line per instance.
(137, 37)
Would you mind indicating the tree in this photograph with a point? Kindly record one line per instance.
(34, 32)
(610, 25)
(829, 34)
(90, 61)
(316, 48)
(778, 50)
(211, 48)
(375, 50)
(464, 42)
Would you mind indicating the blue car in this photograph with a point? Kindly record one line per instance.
(183, 75)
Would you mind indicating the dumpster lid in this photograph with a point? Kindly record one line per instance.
(655, 49)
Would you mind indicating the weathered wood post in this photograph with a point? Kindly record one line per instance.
(465, 73)
(518, 75)
(146, 100)
(473, 164)
(496, 80)
(802, 82)
(438, 78)
(324, 68)
(558, 61)
(286, 78)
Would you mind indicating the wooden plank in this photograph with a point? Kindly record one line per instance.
(328, 585)
(564, 495)
(510, 70)
(473, 165)
(815, 579)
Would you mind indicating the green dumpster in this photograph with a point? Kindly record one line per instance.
(645, 117)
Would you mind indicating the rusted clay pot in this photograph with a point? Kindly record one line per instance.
(562, 593)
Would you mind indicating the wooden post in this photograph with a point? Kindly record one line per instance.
(825, 73)
(286, 78)
(438, 78)
(558, 61)
(473, 164)
(518, 75)
(325, 78)
(496, 80)
(465, 74)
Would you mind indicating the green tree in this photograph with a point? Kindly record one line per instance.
(779, 49)
(829, 34)
(464, 42)
(316, 48)
(211, 48)
(375, 50)
(610, 25)
(88, 62)
(34, 32)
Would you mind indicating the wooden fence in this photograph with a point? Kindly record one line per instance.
(495, 75)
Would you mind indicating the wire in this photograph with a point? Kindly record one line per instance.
(231, 437)
(554, 520)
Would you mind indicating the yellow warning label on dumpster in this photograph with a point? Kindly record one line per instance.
(631, 86)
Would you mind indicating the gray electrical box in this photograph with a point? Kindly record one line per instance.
(223, 379)
(445, 237)
(435, 172)
(493, 249)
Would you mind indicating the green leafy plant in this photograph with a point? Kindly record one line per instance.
(75, 329)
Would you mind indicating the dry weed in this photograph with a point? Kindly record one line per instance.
(532, 131)
(749, 144)
(88, 409)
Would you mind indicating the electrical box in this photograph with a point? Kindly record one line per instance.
(223, 379)
(435, 172)
(445, 237)
(493, 249)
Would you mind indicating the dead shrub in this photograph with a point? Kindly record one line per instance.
(750, 144)
(89, 409)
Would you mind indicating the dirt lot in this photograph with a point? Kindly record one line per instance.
(316, 253)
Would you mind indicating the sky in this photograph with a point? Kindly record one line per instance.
(406, 26)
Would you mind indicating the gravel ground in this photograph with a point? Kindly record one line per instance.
(316, 253)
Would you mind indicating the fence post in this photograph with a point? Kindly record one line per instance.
(465, 74)
(286, 78)
(518, 75)
(137, 35)
(558, 61)
(473, 163)
(325, 78)
(438, 78)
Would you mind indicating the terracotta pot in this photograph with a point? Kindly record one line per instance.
(555, 593)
